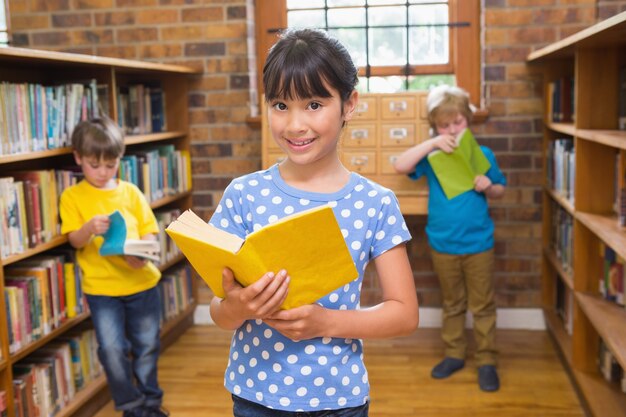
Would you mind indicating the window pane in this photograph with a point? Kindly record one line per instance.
(427, 1)
(335, 3)
(387, 46)
(306, 19)
(392, 84)
(299, 4)
(378, 2)
(428, 44)
(426, 82)
(354, 41)
(425, 15)
(346, 17)
(382, 16)
(3, 18)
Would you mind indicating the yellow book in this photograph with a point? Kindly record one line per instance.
(309, 245)
(70, 289)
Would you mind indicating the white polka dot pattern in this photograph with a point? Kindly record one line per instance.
(322, 373)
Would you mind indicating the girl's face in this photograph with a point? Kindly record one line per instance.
(308, 129)
(451, 124)
(98, 172)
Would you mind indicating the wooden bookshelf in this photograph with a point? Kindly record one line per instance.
(18, 65)
(594, 57)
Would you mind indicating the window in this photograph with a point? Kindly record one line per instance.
(4, 23)
(398, 45)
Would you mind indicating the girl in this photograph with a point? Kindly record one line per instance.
(310, 358)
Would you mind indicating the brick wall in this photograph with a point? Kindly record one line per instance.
(212, 35)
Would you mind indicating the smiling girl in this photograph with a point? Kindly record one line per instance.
(310, 358)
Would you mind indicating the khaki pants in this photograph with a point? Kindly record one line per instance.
(467, 282)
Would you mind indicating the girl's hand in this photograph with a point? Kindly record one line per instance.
(98, 224)
(446, 143)
(135, 262)
(482, 183)
(300, 323)
(255, 301)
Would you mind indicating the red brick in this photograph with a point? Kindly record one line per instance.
(50, 38)
(30, 22)
(137, 35)
(94, 4)
(90, 37)
(115, 18)
(156, 16)
(203, 14)
(71, 20)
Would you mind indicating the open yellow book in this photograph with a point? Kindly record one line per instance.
(309, 245)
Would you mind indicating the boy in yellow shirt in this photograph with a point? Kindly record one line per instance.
(121, 290)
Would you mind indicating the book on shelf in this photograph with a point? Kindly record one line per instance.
(612, 281)
(621, 121)
(309, 245)
(456, 170)
(116, 242)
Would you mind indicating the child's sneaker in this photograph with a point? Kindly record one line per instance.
(447, 367)
(155, 411)
(488, 378)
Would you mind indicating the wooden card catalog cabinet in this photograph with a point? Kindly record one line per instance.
(383, 126)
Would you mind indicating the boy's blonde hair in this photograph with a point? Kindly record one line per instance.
(100, 138)
(446, 100)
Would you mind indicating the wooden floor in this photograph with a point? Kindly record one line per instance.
(534, 384)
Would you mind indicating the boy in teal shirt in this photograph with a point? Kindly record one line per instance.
(460, 234)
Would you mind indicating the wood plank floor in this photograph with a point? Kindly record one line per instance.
(534, 383)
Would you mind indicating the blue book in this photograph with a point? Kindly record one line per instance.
(115, 242)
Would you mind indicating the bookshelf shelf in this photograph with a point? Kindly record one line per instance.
(594, 57)
(44, 247)
(83, 396)
(613, 138)
(608, 319)
(33, 346)
(38, 69)
(562, 201)
(565, 128)
(153, 137)
(605, 227)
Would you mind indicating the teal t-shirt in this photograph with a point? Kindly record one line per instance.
(461, 225)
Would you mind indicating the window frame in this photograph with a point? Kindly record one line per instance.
(464, 45)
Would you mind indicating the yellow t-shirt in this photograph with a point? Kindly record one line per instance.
(109, 275)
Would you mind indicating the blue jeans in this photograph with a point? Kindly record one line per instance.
(245, 408)
(127, 329)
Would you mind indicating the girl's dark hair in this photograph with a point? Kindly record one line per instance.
(302, 60)
(101, 138)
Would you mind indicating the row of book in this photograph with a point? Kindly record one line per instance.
(176, 291)
(47, 380)
(562, 236)
(141, 109)
(610, 368)
(158, 171)
(612, 281)
(564, 304)
(561, 167)
(34, 117)
(560, 100)
(41, 293)
(29, 211)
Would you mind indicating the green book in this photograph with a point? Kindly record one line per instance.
(456, 171)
